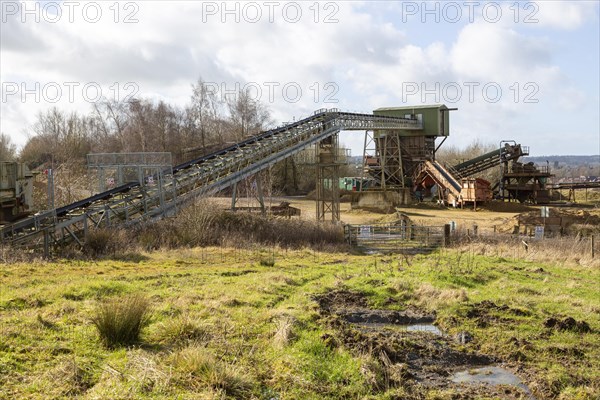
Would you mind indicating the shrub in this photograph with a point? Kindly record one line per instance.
(120, 320)
(105, 241)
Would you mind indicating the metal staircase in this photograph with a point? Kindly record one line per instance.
(134, 202)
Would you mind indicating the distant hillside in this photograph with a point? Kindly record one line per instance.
(569, 167)
(565, 160)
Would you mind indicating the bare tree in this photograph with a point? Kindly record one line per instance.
(247, 116)
(203, 111)
(455, 155)
(8, 150)
(110, 122)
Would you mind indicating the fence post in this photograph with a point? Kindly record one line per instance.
(46, 244)
(592, 242)
(446, 234)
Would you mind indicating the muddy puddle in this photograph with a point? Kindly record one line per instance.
(491, 376)
(408, 344)
(424, 328)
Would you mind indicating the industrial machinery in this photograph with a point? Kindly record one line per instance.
(16, 191)
(456, 185)
(453, 190)
(133, 201)
(403, 141)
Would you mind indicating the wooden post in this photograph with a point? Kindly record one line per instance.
(446, 234)
(592, 245)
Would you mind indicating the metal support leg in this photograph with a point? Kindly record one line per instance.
(260, 195)
(233, 196)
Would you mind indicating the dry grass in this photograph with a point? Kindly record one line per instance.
(69, 378)
(284, 331)
(181, 329)
(148, 373)
(105, 241)
(428, 296)
(197, 368)
(203, 224)
(562, 250)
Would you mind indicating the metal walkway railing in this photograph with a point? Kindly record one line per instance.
(133, 202)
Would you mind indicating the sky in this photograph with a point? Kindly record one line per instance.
(523, 71)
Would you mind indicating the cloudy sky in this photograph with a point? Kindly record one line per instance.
(526, 71)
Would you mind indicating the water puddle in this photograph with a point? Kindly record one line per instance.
(424, 328)
(491, 376)
(429, 328)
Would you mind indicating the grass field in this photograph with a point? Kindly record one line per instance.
(273, 324)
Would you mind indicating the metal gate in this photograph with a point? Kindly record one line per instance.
(396, 238)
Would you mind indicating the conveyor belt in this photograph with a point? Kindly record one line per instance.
(489, 160)
(133, 202)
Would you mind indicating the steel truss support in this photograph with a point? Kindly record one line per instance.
(382, 159)
(328, 181)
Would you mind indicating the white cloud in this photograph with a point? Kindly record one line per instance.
(561, 14)
(368, 59)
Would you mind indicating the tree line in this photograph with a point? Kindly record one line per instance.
(141, 125)
(61, 140)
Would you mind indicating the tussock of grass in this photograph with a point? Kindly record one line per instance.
(267, 262)
(181, 329)
(196, 368)
(119, 321)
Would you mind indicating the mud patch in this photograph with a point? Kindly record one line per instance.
(567, 324)
(487, 312)
(340, 300)
(408, 345)
(238, 273)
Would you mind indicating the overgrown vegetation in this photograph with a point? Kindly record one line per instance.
(204, 224)
(225, 326)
